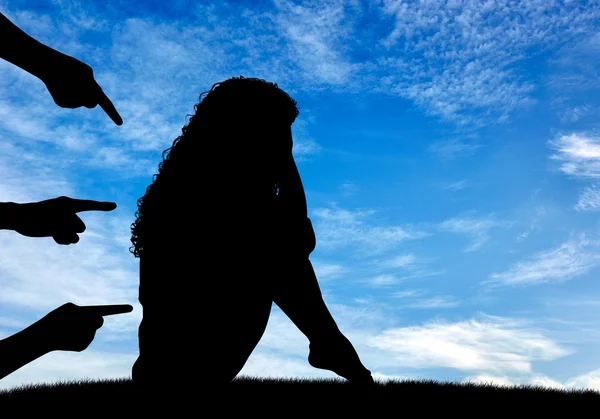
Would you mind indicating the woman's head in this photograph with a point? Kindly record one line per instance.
(238, 135)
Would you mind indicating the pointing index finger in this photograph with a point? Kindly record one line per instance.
(78, 205)
(108, 310)
(108, 107)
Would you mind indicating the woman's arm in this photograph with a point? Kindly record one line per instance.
(291, 190)
(293, 210)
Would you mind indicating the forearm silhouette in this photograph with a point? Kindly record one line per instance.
(298, 293)
(68, 328)
(70, 82)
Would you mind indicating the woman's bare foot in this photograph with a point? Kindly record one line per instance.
(338, 355)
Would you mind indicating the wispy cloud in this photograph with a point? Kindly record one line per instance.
(409, 300)
(401, 261)
(460, 71)
(567, 261)
(476, 228)
(337, 228)
(384, 279)
(487, 345)
(523, 235)
(97, 270)
(398, 269)
(456, 186)
(328, 270)
(589, 200)
(348, 188)
(460, 54)
(264, 364)
(575, 113)
(435, 302)
(508, 381)
(316, 32)
(408, 293)
(579, 154)
(451, 149)
(575, 71)
(590, 380)
(89, 364)
(587, 381)
(489, 379)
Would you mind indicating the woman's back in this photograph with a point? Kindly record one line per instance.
(205, 294)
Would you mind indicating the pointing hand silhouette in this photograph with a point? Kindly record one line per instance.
(72, 328)
(71, 84)
(55, 218)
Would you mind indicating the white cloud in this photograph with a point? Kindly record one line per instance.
(328, 271)
(261, 364)
(12, 323)
(380, 280)
(342, 216)
(465, 65)
(408, 293)
(569, 260)
(451, 149)
(289, 349)
(348, 188)
(575, 74)
(456, 186)
(337, 228)
(402, 261)
(488, 345)
(506, 381)
(315, 32)
(589, 200)
(62, 365)
(398, 269)
(523, 235)
(377, 376)
(303, 149)
(490, 380)
(460, 54)
(435, 302)
(546, 382)
(590, 380)
(451, 69)
(85, 273)
(575, 113)
(579, 154)
(477, 229)
(89, 272)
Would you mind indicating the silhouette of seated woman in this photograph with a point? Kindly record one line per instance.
(221, 233)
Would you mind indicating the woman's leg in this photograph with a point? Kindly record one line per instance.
(296, 291)
(207, 328)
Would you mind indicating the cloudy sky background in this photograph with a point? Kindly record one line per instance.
(450, 152)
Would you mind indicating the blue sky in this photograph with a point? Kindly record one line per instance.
(449, 150)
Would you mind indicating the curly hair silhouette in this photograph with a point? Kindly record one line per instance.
(241, 101)
(227, 209)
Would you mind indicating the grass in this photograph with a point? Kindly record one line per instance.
(291, 397)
